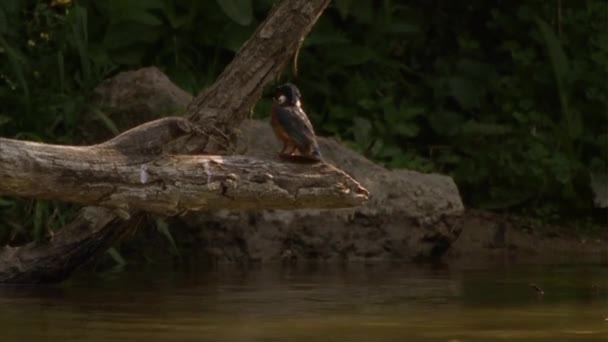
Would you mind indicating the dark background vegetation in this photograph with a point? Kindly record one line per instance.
(509, 97)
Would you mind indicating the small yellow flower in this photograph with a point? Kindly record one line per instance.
(44, 35)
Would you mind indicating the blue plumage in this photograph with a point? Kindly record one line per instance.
(291, 125)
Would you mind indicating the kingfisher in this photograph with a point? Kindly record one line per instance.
(291, 124)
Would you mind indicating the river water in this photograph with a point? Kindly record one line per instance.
(373, 302)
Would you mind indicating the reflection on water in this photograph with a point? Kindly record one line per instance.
(316, 303)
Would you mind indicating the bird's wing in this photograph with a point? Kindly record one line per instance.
(296, 124)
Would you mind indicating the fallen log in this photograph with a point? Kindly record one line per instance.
(213, 120)
(131, 173)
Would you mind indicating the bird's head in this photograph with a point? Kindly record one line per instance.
(287, 95)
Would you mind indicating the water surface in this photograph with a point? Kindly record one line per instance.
(316, 303)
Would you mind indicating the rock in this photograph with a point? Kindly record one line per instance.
(131, 98)
(410, 215)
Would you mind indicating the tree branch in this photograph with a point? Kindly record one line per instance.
(102, 175)
(216, 113)
(220, 109)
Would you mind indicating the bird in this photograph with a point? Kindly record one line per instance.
(291, 125)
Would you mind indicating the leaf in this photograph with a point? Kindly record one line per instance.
(390, 151)
(349, 55)
(40, 209)
(412, 112)
(135, 11)
(555, 50)
(407, 130)
(362, 131)
(465, 91)
(362, 11)
(401, 28)
(18, 64)
(445, 123)
(343, 7)
(474, 128)
(233, 38)
(6, 203)
(125, 34)
(132, 55)
(599, 186)
(81, 39)
(561, 69)
(331, 38)
(9, 9)
(4, 25)
(180, 20)
(61, 71)
(504, 198)
(240, 11)
(4, 120)
(115, 255)
(163, 228)
(105, 119)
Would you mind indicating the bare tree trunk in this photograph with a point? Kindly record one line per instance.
(214, 117)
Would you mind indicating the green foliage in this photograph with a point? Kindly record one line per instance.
(508, 97)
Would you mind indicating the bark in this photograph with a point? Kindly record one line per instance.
(220, 109)
(214, 115)
(128, 173)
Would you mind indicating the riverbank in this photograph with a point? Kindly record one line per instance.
(488, 237)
